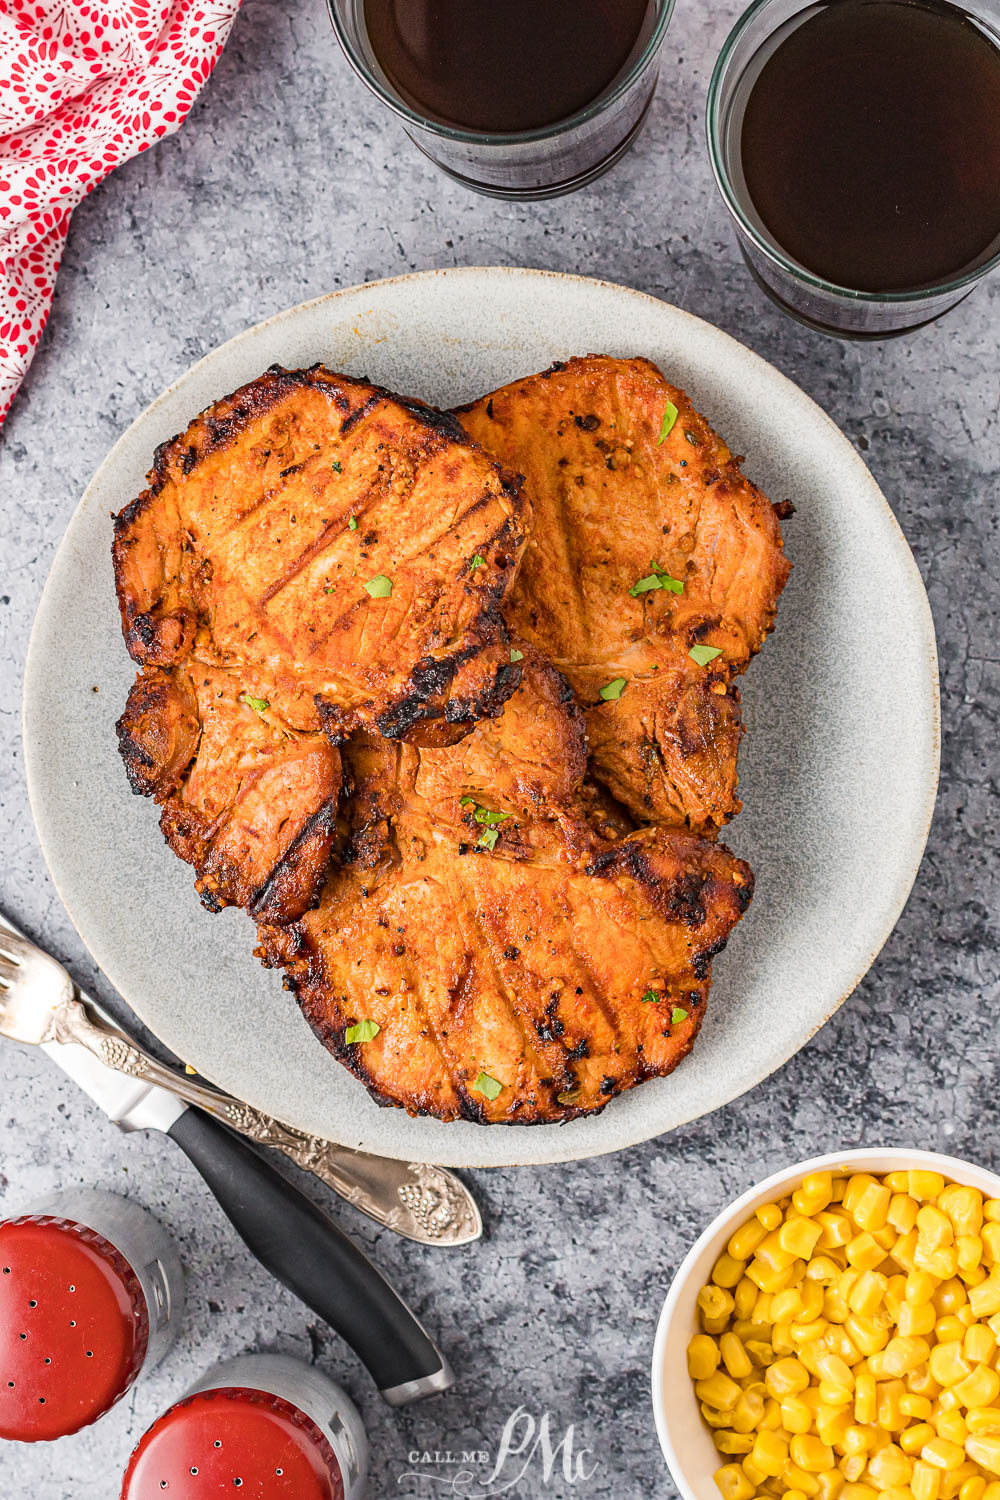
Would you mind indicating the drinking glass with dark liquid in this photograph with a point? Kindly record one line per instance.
(516, 98)
(857, 146)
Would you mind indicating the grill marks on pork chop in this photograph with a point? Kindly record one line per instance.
(563, 963)
(264, 522)
(619, 496)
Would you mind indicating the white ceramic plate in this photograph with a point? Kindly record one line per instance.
(838, 772)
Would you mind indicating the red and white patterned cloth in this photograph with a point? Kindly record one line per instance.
(83, 87)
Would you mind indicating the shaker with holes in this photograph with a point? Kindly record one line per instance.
(262, 1424)
(91, 1294)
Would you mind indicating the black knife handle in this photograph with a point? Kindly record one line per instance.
(303, 1248)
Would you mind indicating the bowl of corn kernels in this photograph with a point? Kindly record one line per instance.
(835, 1335)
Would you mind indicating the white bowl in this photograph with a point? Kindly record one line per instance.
(687, 1445)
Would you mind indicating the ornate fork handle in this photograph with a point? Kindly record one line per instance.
(422, 1202)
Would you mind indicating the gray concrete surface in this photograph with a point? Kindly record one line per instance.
(287, 182)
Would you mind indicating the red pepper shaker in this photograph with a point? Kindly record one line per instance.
(91, 1293)
(264, 1424)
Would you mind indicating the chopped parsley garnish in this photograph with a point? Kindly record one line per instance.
(331, 588)
(484, 1084)
(484, 815)
(335, 466)
(516, 655)
(612, 690)
(364, 1031)
(704, 654)
(352, 524)
(467, 802)
(677, 1015)
(380, 587)
(259, 705)
(669, 418)
(478, 561)
(651, 998)
(659, 578)
(489, 839)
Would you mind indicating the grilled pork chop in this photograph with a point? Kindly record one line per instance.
(331, 540)
(522, 960)
(647, 541)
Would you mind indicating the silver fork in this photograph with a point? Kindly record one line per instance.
(41, 1006)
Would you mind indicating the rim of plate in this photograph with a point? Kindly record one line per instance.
(736, 1083)
(879, 1159)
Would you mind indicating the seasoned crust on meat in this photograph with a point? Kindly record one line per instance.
(264, 522)
(528, 961)
(616, 502)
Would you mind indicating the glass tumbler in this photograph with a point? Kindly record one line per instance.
(809, 298)
(542, 163)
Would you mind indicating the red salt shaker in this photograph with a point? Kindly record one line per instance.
(91, 1293)
(263, 1424)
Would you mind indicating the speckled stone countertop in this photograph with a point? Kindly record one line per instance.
(287, 182)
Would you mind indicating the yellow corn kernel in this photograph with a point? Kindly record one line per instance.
(747, 1412)
(947, 1401)
(867, 1292)
(865, 1253)
(916, 1321)
(948, 1364)
(856, 1185)
(984, 1419)
(728, 1272)
(991, 1210)
(769, 1215)
(925, 1186)
(715, 1307)
(829, 1485)
(812, 1301)
(831, 1424)
(858, 1492)
(950, 1296)
(787, 1377)
(867, 1334)
(902, 1355)
(733, 1484)
(824, 1270)
(744, 1242)
(985, 1298)
(991, 1242)
(975, 1275)
(760, 1352)
(798, 1237)
(796, 1416)
(770, 1280)
(745, 1296)
(984, 1451)
(837, 1229)
(716, 1418)
(756, 1476)
(718, 1391)
(808, 1333)
(888, 1412)
(770, 1252)
(922, 1383)
(781, 1338)
(762, 1307)
(832, 1367)
(703, 1357)
(806, 1483)
(734, 1356)
(941, 1263)
(902, 1212)
(904, 1250)
(895, 1294)
(896, 1492)
(839, 1342)
(770, 1453)
(992, 1491)
(973, 1489)
(915, 1406)
(951, 1483)
(951, 1425)
(950, 1330)
(795, 1495)
(786, 1306)
(733, 1442)
(852, 1466)
(925, 1482)
(913, 1438)
(771, 1420)
(920, 1288)
(934, 1228)
(969, 1248)
(815, 1193)
(981, 1388)
(835, 1396)
(835, 1308)
(871, 1207)
(810, 1453)
(890, 1466)
(857, 1440)
(941, 1454)
(864, 1398)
